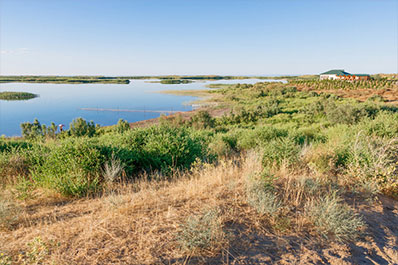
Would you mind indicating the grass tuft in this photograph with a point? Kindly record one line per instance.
(203, 232)
(261, 197)
(333, 218)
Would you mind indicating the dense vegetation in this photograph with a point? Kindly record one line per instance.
(346, 85)
(8, 95)
(271, 116)
(306, 157)
(63, 79)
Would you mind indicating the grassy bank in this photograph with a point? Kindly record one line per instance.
(285, 176)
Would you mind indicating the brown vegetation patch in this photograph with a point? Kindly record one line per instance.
(142, 224)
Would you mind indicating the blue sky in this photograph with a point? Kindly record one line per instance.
(235, 37)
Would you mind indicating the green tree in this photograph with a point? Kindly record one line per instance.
(80, 127)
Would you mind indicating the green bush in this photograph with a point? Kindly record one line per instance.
(223, 145)
(71, 167)
(80, 127)
(385, 124)
(202, 120)
(374, 160)
(36, 130)
(122, 126)
(281, 150)
(260, 136)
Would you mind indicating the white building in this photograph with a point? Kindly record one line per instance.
(333, 74)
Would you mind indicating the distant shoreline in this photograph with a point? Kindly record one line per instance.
(165, 79)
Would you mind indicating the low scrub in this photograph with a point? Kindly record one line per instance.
(374, 159)
(283, 150)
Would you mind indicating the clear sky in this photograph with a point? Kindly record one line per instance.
(234, 37)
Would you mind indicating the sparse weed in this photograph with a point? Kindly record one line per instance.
(38, 251)
(114, 200)
(5, 259)
(112, 170)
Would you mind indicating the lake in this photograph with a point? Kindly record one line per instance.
(61, 103)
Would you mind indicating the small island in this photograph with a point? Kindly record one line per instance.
(175, 81)
(8, 95)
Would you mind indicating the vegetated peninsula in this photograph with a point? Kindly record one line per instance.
(9, 95)
(298, 172)
(64, 79)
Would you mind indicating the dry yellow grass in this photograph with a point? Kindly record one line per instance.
(139, 223)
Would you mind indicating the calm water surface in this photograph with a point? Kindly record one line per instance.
(61, 103)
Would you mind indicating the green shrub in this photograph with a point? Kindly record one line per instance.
(72, 167)
(281, 150)
(375, 98)
(385, 124)
(9, 145)
(80, 127)
(260, 136)
(122, 126)
(375, 160)
(155, 148)
(167, 147)
(344, 113)
(36, 130)
(32, 130)
(202, 120)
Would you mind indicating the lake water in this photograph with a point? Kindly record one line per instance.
(61, 103)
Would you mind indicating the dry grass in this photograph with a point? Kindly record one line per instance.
(198, 217)
(139, 226)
